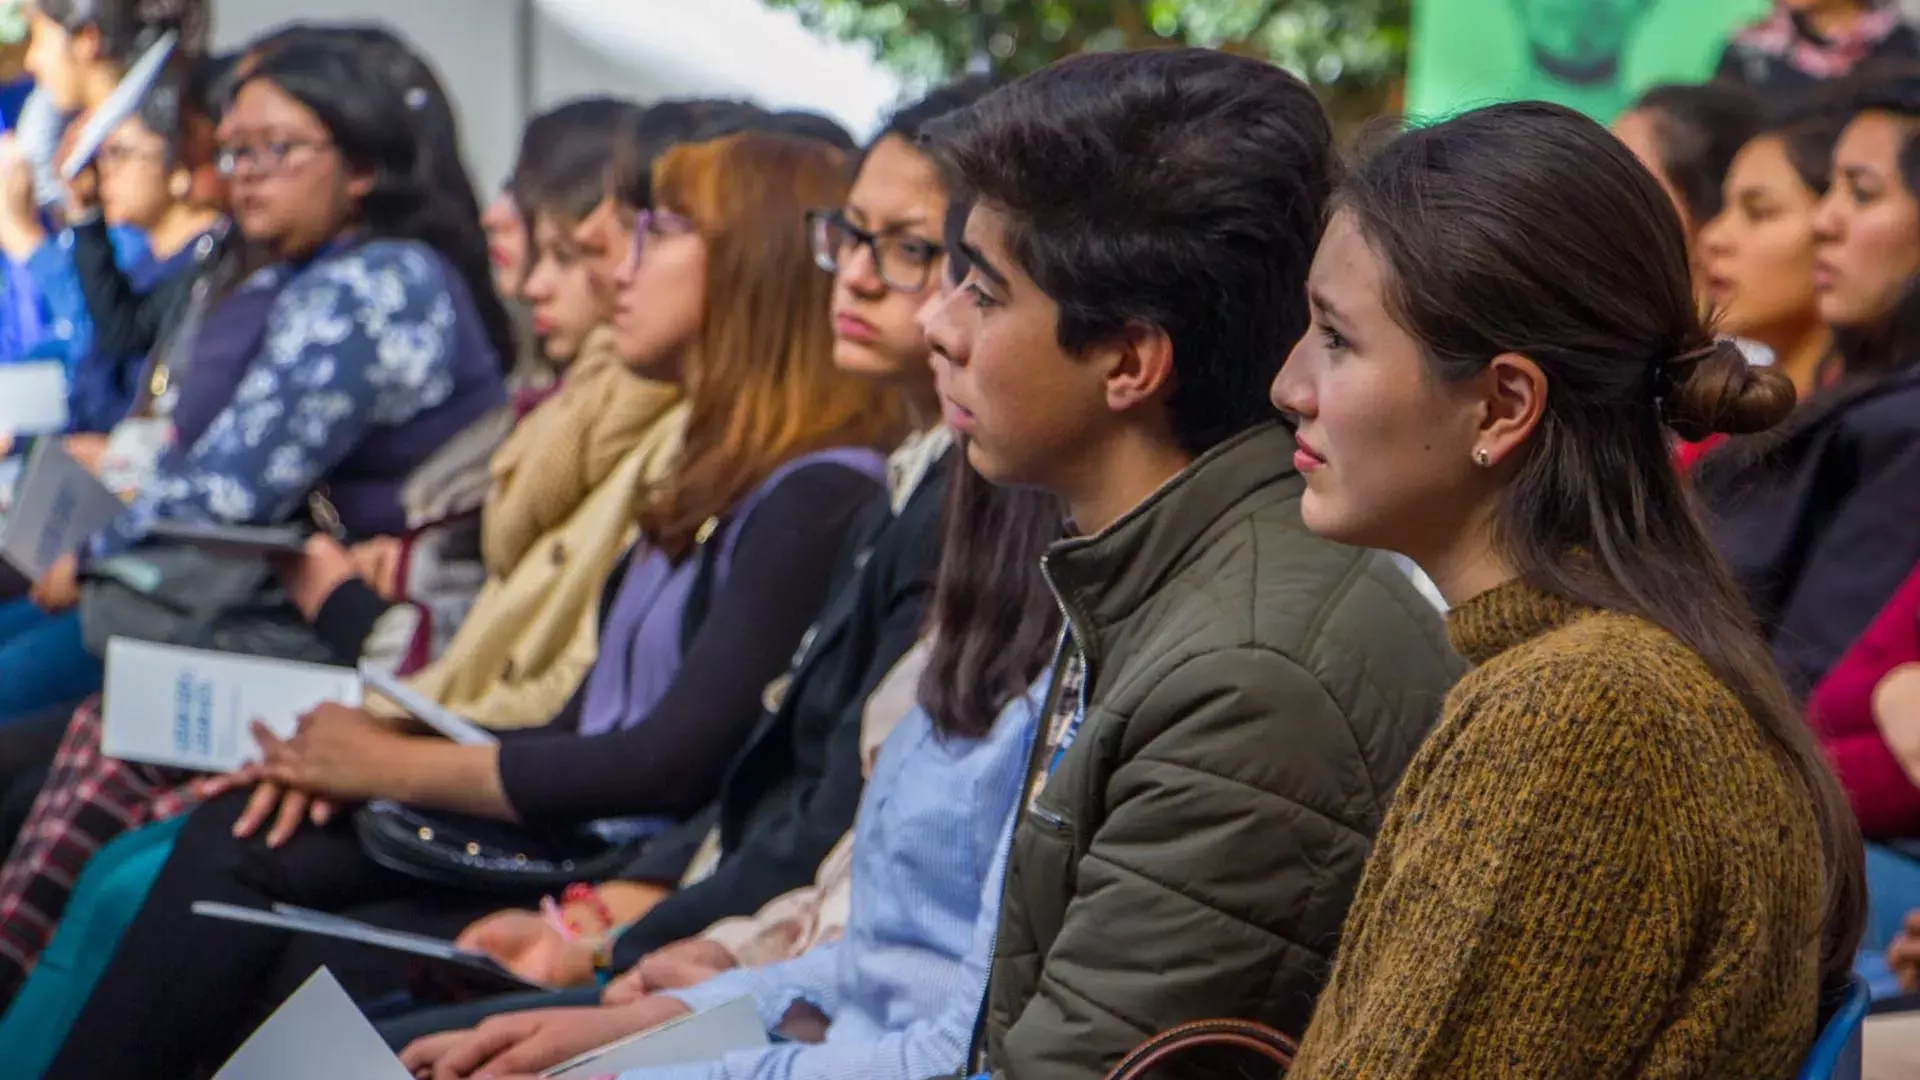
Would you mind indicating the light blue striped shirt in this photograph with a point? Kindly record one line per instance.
(903, 986)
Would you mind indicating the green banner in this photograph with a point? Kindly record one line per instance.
(1591, 55)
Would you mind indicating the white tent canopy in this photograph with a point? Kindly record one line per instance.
(503, 59)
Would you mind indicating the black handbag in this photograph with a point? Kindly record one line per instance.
(480, 855)
(489, 856)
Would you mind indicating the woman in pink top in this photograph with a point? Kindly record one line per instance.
(1867, 714)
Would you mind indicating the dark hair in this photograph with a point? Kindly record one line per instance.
(389, 117)
(1181, 188)
(184, 105)
(565, 152)
(129, 28)
(911, 120)
(659, 128)
(163, 110)
(809, 125)
(1808, 133)
(1527, 228)
(1699, 129)
(993, 621)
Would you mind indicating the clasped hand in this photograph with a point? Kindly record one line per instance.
(337, 755)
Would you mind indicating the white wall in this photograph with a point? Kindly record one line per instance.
(497, 72)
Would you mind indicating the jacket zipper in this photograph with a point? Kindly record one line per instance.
(975, 1049)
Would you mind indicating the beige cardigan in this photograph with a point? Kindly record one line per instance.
(534, 631)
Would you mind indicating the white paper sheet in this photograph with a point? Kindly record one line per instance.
(119, 104)
(317, 1034)
(190, 708)
(56, 507)
(10, 470)
(428, 712)
(690, 1040)
(33, 399)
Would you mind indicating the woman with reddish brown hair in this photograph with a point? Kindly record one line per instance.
(734, 561)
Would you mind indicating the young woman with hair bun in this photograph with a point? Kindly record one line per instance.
(1620, 853)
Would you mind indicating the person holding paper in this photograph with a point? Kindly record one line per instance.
(353, 412)
(524, 645)
(795, 786)
(256, 417)
(724, 294)
(78, 53)
(143, 178)
(931, 830)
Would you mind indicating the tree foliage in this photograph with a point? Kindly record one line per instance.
(1350, 48)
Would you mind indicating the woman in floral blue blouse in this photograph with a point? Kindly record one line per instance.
(372, 339)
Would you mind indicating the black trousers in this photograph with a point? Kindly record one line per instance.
(26, 754)
(184, 991)
(13, 584)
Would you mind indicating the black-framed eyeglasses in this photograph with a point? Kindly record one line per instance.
(905, 262)
(267, 158)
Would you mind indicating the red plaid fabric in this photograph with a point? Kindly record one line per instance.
(88, 800)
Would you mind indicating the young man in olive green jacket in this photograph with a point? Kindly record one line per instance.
(1235, 698)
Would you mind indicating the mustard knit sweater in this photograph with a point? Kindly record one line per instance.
(1596, 866)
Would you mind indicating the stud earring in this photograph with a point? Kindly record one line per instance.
(1482, 458)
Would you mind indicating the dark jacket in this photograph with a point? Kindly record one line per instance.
(791, 792)
(1252, 694)
(130, 309)
(1820, 525)
(131, 317)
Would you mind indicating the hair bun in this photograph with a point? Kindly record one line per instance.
(1715, 389)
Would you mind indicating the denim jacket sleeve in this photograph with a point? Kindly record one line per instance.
(931, 1046)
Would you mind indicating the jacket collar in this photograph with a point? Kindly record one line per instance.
(1101, 579)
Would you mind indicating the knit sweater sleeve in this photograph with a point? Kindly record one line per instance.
(1535, 914)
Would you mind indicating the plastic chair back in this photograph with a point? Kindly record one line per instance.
(1836, 1050)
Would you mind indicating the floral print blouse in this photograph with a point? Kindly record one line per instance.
(357, 340)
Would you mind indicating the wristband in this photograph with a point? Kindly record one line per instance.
(582, 893)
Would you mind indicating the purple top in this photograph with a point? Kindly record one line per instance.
(642, 630)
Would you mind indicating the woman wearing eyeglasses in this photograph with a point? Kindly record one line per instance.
(737, 548)
(340, 368)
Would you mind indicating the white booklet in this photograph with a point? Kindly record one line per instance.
(57, 506)
(317, 1034)
(119, 104)
(10, 470)
(33, 398)
(708, 1035)
(420, 707)
(474, 969)
(191, 708)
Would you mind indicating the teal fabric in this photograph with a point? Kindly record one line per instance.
(105, 900)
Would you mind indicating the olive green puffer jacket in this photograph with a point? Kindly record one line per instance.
(1251, 695)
